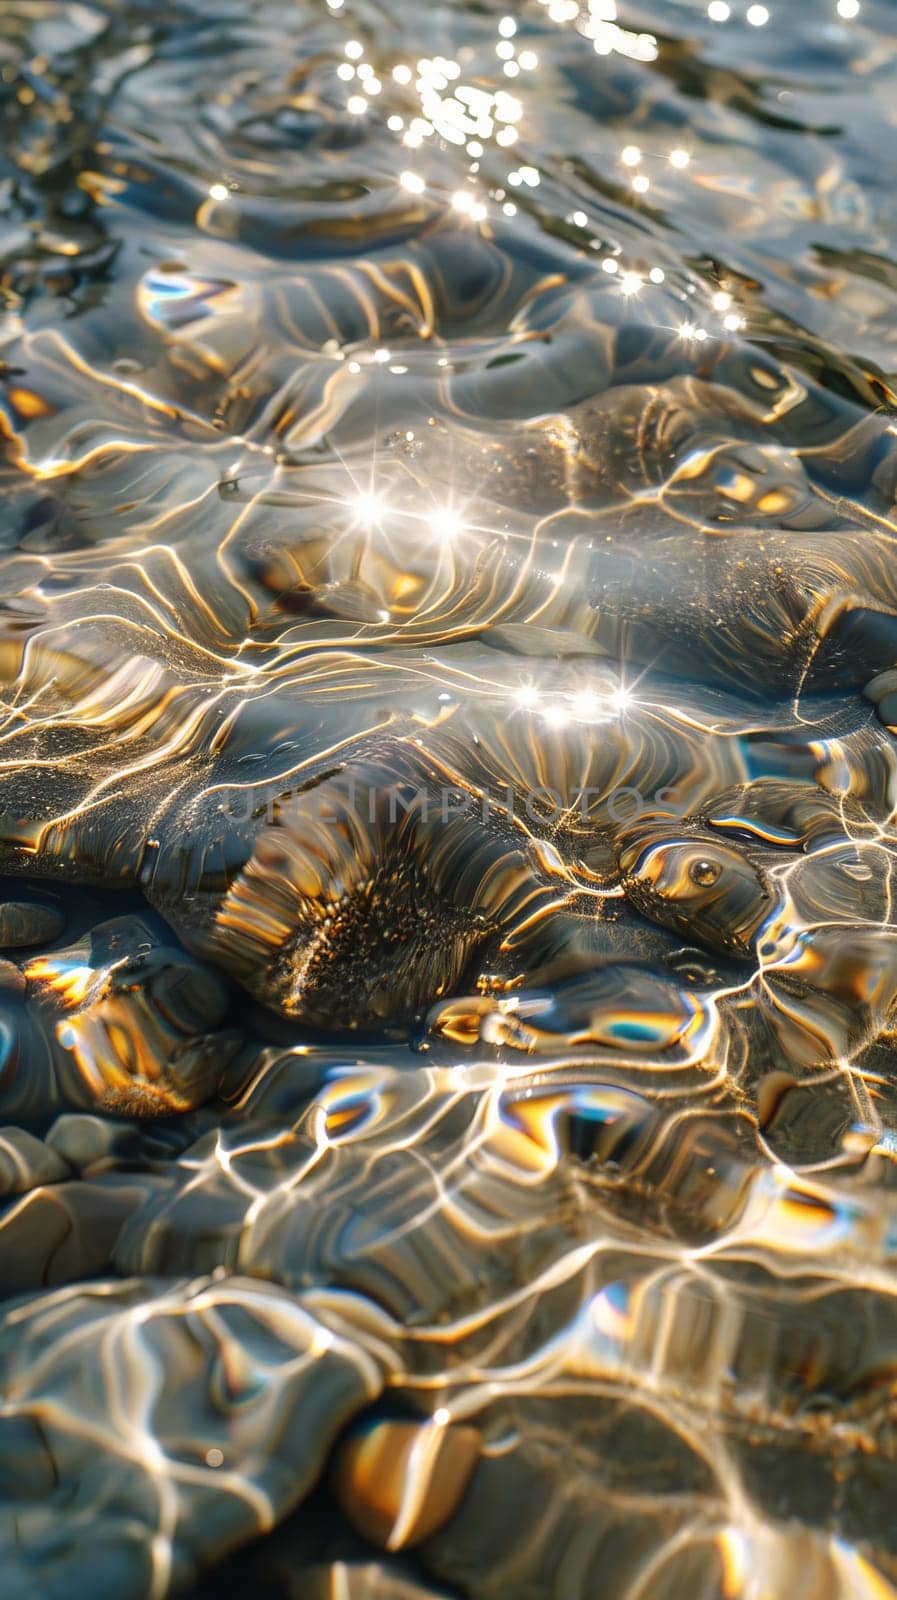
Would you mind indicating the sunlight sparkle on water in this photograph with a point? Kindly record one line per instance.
(368, 508)
(446, 523)
(586, 705)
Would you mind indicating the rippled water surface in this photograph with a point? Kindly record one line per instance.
(448, 799)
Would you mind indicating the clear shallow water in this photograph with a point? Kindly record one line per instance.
(447, 793)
